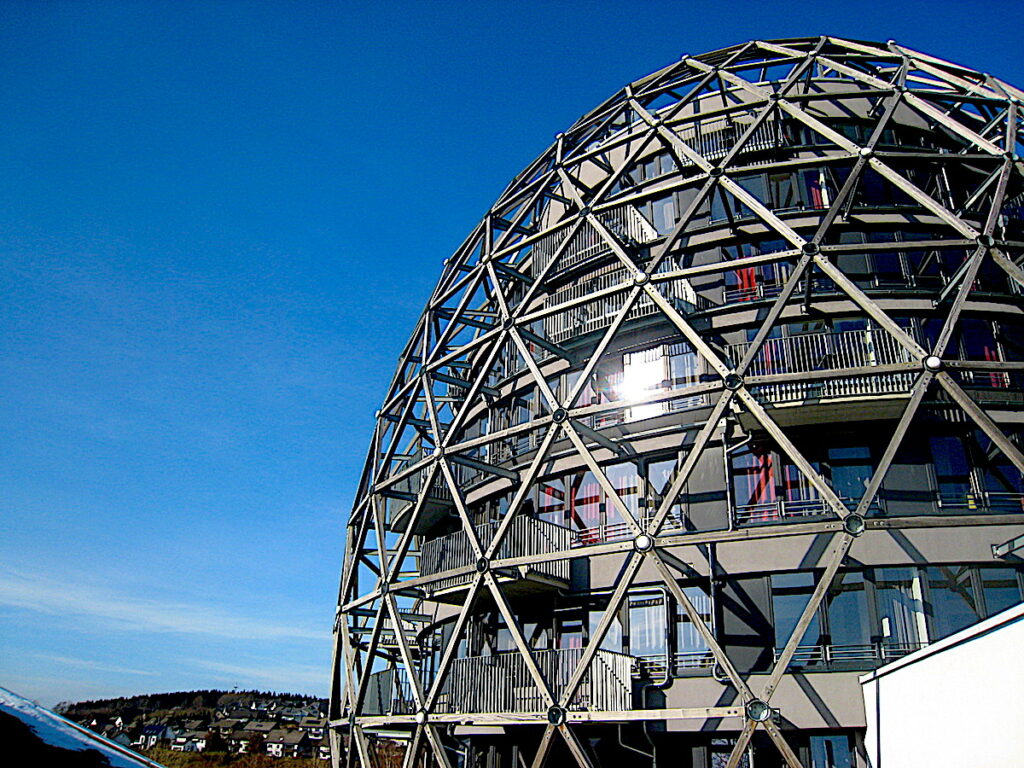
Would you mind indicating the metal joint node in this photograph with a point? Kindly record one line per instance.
(643, 543)
(810, 249)
(716, 172)
(757, 710)
(482, 565)
(867, 153)
(556, 715)
(854, 525)
(932, 363)
(421, 717)
(559, 415)
(986, 240)
(640, 278)
(733, 381)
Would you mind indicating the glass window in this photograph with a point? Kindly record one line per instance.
(551, 501)
(888, 266)
(659, 475)
(625, 479)
(832, 751)
(761, 478)
(663, 214)
(647, 626)
(613, 637)
(851, 470)
(720, 750)
(684, 365)
(757, 187)
(817, 188)
(691, 648)
(952, 603)
(585, 499)
(998, 476)
(785, 192)
(504, 642)
(791, 592)
(1001, 587)
(569, 630)
(900, 609)
(753, 475)
(538, 636)
(849, 622)
(643, 374)
(952, 469)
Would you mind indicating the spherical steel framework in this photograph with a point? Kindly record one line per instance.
(715, 407)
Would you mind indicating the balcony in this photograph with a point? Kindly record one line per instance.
(619, 531)
(626, 223)
(501, 683)
(525, 536)
(834, 351)
(598, 314)
(678, 664)
(932, 503)
(867, 656)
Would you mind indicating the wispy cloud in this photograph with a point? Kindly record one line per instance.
(130, 613)
(281, 677)
(97, 666)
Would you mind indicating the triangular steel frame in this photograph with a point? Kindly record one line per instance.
(492, 294)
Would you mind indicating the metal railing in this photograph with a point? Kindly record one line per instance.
(599, 313)
(832, 351)
(782, 510)
(502, 682)
(987, 501)
(389, 692)
(715, 139)
(779, 510)
(618, 531)
(525, 536)
(626, 223)
(869, 654)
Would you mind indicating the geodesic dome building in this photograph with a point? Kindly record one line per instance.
(716, 409)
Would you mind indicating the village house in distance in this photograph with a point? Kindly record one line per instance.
(210, 721)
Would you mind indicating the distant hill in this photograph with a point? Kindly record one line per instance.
(208, 699)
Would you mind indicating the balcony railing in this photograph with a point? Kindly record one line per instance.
(865, 655)
(626, 223)
(826, 352)
(983, 501)
(599, 313)
(683, 663)
(502, 683)
(779, 510)
(619, 530)
(389, 692)
(783, 510)
(525, 536)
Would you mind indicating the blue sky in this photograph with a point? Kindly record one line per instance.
(218, 223)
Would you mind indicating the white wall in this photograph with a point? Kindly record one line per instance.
(958, 703)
